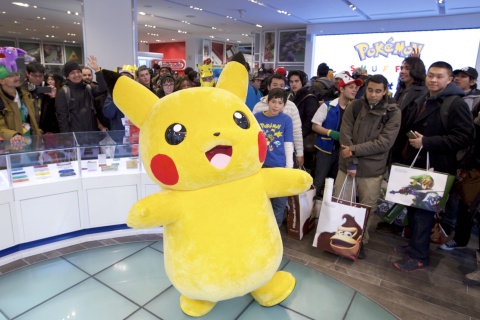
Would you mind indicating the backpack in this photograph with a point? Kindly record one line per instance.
(68, 98)
(331, 91)
(463, 156)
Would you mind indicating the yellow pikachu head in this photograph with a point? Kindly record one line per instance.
(198, 137)
(206, 75)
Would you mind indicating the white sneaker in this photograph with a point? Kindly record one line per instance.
(450, 245)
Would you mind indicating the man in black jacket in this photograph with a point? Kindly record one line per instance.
(75, 104)
(442, 142)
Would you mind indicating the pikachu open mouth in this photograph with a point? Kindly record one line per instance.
(219, 156)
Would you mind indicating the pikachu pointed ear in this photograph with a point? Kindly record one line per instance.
(234, 77)
(134, 99)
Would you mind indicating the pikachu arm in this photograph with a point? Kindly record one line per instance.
(157, 209)
(281, 182)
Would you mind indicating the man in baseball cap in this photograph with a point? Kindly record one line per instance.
(326, 122)
(466, 79)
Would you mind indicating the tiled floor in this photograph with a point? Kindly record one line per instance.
(123, 278)
(128, 281)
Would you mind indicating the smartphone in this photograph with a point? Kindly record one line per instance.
(40, 89)
(411, 135)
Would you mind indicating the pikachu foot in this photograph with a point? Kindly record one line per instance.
(195, 308)
(276, 290)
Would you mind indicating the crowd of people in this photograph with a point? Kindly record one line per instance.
(360, 129)
(338, 125)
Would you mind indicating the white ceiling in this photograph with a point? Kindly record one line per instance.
(50, 18)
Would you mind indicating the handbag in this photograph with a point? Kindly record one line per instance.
(301, 214)
(341, 225)
(309, 142)
(419, 188)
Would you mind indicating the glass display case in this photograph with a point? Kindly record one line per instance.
(59, 157)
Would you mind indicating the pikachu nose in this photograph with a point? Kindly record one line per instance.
(216, 134)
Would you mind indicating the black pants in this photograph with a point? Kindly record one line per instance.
(463, 229)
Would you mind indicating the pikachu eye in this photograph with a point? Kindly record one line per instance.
(175, 134)
(241, 120)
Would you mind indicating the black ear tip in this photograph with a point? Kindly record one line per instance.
(110, 78)
(239, 57)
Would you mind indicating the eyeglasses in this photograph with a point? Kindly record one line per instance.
(36, 75)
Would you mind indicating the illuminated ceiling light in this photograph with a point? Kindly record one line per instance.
(283, 12)
(239, 41)
(228, 39)
(142, 13)
(173, 39)
(15, 21)
(3, 12)
(69, 12)
(213, 28)
(76, 13)
(258, 25)
(21, 4)
(212, 37)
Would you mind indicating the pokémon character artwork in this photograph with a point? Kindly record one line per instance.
(205, 149)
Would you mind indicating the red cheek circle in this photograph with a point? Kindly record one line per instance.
(262, 146)
(164, 169)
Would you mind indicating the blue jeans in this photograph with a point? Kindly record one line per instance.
(449, 214)
(278, 205)
(421, 224)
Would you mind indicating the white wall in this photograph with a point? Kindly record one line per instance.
(110, 34)
(464, 21)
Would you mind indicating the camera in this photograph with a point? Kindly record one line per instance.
(40, 89)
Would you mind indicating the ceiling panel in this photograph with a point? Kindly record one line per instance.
(167, 17)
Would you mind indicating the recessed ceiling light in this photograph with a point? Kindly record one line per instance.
(259, 26)
(21, 4)
(3, 12)
(142, 13)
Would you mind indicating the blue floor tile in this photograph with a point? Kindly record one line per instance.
(142, 315)
(29, 286)
(364, 308)
(130, 276)
(167, 307)
(257, 312)
(158, 245)
(140, 277)
(87, 301)
(316, 294)
(95, 260)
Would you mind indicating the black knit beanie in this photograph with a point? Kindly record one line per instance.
(69, 67)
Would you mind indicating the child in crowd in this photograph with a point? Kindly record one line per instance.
(278, 130)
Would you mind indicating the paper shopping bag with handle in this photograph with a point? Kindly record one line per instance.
(341, 224)
(419, 188)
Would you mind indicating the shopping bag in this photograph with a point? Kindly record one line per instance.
(340, 226)
(107, 146)
(301, 214)
(419, 188)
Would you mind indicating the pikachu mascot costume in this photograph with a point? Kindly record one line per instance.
(204, 147)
